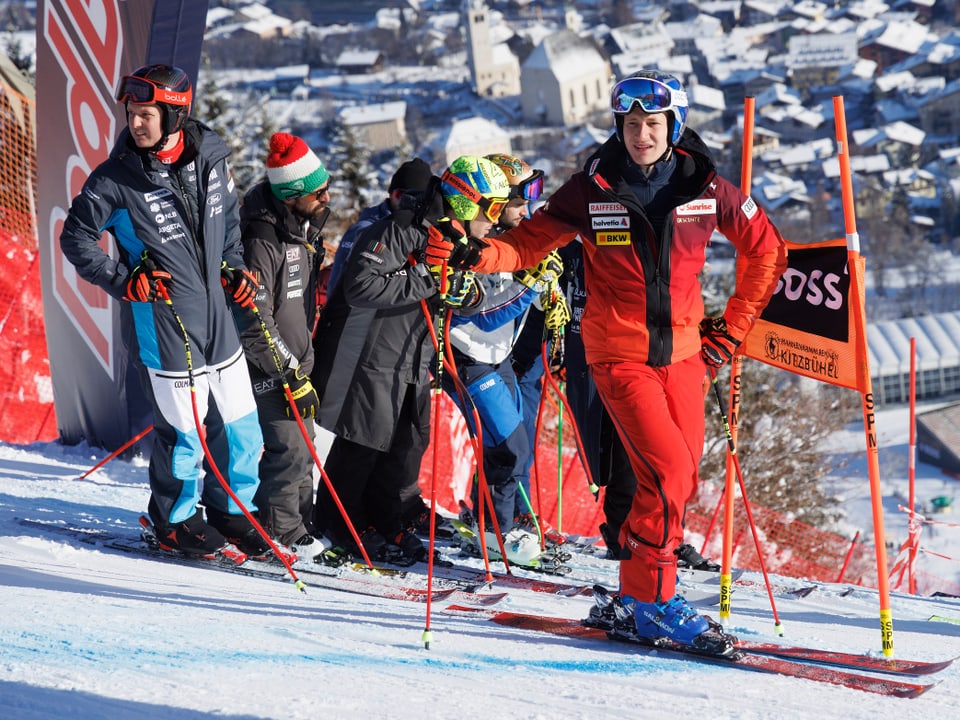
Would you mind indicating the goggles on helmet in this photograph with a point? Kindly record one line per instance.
(530, 189)
(491, 207)
(143, 92)
(651, 95)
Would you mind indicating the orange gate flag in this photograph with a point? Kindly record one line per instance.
(809, 326)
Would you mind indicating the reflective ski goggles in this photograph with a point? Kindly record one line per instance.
(651, 95)
(491, 207)
(530, 189)
(143, 92)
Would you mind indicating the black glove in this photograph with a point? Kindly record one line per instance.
(460, 287)
(146, 282)
(717, 346)
(241, 284)
(306, 398)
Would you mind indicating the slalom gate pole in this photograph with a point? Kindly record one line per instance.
(846, 559)
(139, 436)
(712, 524)
(912, 469)
(778, 626)
(856, 269)
(278, 363)
(202, 434)
(736, 380)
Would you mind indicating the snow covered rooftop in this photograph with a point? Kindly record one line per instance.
(938, 343)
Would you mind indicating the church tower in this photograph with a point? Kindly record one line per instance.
(479, 46)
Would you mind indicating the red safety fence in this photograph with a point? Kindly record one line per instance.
(791, 548)
(26, 391)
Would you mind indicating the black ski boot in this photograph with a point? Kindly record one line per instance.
(688, 557)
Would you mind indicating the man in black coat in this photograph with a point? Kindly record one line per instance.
(374, 354)
(280, 221)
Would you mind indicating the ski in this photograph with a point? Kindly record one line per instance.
(872, 663)
(795, 666)
(387, 585)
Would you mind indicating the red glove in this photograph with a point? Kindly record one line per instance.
(241, 284)
(717, 346)
(146, 282)
(442, 238)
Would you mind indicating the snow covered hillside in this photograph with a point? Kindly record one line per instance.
(90, 632)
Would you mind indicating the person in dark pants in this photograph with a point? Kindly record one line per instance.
(373, 359)
(281, 222)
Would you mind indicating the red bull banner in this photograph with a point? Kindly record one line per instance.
(809, 326)
(83, 49)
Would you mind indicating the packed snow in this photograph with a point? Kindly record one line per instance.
(89, 632)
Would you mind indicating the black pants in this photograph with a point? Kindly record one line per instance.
(285, 495)
(370, 484)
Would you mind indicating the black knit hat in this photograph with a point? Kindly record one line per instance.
(412, 175)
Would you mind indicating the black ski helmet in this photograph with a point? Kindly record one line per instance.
(166, 86)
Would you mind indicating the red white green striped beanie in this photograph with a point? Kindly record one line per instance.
(292, 167)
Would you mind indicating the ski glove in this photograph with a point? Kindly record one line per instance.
(544, 276)
(242, 285)
(146, 282)
(556, 310)
(304, 395)
(460, 287)
(717, 346)
(448, 241)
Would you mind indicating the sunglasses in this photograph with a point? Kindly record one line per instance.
(491, 208)
(530, 189)
(144, 92)
(651, 95)
(319, 193)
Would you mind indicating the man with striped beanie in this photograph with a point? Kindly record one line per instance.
(281, 222)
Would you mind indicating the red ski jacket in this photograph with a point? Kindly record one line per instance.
(644, 300)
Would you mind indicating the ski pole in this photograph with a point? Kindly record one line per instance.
(475, 431)
(306, 436)
(777, 626)
(437, 391)
(201, 433)
(562, 399)
(118, 451)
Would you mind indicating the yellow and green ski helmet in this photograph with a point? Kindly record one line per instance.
(474, 183)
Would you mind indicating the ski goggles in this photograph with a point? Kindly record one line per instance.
(530, 189)
(651, 95)
(491, 207)
(143, 92)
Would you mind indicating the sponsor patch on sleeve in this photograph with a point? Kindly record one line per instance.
(749, 208)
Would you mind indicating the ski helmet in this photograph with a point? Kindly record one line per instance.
(654, 92)
(165, 86)
(525, 182)
(472, 184)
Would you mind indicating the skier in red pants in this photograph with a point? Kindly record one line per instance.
(644, 208)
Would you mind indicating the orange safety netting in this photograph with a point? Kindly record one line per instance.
(26, 394)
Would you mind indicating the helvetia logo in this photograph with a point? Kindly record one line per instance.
(621, 222)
